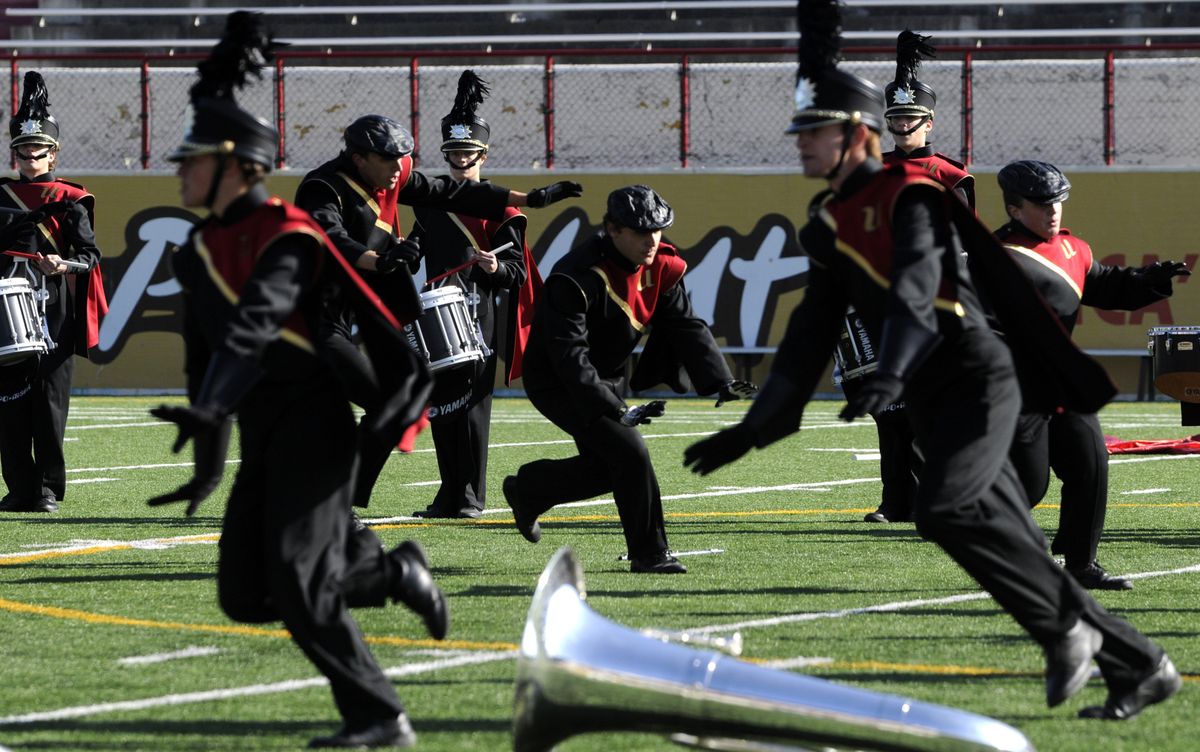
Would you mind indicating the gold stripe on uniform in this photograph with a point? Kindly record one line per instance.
(1026, 252)
(380, 222)
(622, 304)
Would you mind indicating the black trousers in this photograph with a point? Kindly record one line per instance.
(358, 379)
(612, 458)
(33, 420)
(899, 460)
(460, 416)
(1072, 444)
(971, 503)
(286, 553)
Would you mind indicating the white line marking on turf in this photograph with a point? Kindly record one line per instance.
(894, 606)
(867, 456)
(1145, 491)
(148, 544)
(92, 480)
(189, 652)
(80, 711)
(716, 491)
(1154, 458)
(121, 425)
(702, 552)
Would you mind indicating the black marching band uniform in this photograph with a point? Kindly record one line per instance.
(460, 410)
(593, 311)
(890, 241)
(252, 290)
(1071, 443)
(46, 215)
(359, 218)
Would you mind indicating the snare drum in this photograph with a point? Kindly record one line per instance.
(445, 335)
(855, 353)
(21, 334)
(1175, 352)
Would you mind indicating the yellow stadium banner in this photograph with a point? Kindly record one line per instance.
(736, 232)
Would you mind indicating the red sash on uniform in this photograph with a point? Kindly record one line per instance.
(638, 292)
(233, 251)
(482, 231)
(1068, 256)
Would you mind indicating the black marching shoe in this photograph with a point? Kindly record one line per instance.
(469, 513)
(356, 523)
(433, 513)
(1094, 577)
(396, 733)
(528, 527)
(416, 589)
(1160, 685)
(877, 516)
(41, 504)
(660, 563)
(1069, 662)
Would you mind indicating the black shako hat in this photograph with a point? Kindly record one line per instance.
(1038, 182)
(639, 208)
(380, 135)
(462, 129)
(824, 94)
(906, 95)
(33, 123)
(219, 125)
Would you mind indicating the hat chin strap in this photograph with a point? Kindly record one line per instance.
(211, 197)
(924, 119)
(478, 156)
(847, 127)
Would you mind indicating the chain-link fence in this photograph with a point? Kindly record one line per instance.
(659, 113)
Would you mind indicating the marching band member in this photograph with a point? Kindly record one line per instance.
(890, 241)
(354, 197)
(461, 405)
(595, 307)
(1067, 275)
(35, 393)
(251, 273)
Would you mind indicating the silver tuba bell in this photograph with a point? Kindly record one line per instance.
(578, 672)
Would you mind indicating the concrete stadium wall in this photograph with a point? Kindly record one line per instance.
(737, 233)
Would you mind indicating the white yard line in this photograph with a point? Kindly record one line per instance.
(1145, 491)
(891, 607)
(80, 711)
(189, 652)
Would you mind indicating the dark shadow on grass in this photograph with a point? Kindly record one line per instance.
(182, 521)
(156, 576)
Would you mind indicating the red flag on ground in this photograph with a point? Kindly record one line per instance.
(1190, 445)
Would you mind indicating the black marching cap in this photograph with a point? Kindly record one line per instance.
(219, 125)
(906, 95)
(462, 129)
(826, 95)
(639, 208)
(381, 135)
(1039, 182)
(33, 123)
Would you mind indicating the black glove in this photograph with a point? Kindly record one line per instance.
(406, 251)
(1160, 273)
(719, 449)
(636, 416)
(735, 390)
(190, 420)
(211, 434)
(539, 197)
(878, 391)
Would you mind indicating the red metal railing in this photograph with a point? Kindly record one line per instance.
(550, 58)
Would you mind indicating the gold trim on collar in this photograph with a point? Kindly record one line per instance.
(379, 220)
(621, 303)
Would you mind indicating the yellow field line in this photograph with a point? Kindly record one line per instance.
(70, 614)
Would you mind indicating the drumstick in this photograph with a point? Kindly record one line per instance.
(472, 262)
(64, 262)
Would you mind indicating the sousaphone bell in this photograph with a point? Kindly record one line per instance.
(578, 672)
